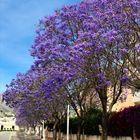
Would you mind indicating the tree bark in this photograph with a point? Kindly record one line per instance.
(104, 126)
(39, 132)
(59, 134)
(103, 98)
(54, 132)
(83, 134)
(80, 126)
(78, 132)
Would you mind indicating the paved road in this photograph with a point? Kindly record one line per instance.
(16, 136)
(5, 135)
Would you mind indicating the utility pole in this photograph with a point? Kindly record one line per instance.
(68, 117)
(43, 129)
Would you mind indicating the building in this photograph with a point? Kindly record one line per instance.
(8, 123)
(7, 118)
(132, 98)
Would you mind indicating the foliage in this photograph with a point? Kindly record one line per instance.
(93, 120)
(91, 48)
(91, 124)
(30, 103)
(123, 123)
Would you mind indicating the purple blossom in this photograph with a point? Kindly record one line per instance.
(80, 45)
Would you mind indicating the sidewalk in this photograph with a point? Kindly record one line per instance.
(23, 136)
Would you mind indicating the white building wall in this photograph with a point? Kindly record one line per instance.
(136, 98)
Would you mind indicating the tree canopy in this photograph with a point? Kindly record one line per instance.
(95, 43)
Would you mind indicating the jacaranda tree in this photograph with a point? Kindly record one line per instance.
(97, 40)
(21, 94)
(31, 103)
(91, 48)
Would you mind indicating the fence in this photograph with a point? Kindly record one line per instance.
(87, 137)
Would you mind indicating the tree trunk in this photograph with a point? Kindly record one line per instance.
(83, 134)
(39, 131)
(104, 127)
(46, 132)
(78, 132)
(34, 130)
(54, 132)
(80, 126)
(103, 98)
(59, 134)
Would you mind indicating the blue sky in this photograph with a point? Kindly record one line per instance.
(18, 20)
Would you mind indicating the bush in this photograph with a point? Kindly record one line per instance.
(91, 123)
(123, 123)
(94, 118)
